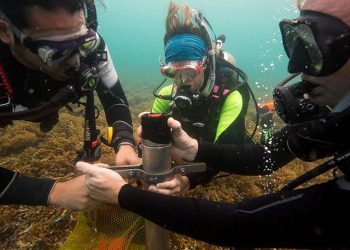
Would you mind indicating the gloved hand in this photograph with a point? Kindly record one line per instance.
(322, 137)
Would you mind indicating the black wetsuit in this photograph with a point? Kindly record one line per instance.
(313, 217)
(32, 88)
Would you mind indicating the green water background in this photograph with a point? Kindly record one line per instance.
(134, 31)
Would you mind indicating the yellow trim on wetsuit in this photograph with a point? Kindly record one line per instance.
(160, 105)
(229, 112)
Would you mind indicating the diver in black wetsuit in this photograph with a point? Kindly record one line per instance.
(317, 44)
(46, 48)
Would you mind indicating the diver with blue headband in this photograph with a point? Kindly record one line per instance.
(185, 47)
(207, 92)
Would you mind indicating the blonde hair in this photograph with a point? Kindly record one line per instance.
(180, 20)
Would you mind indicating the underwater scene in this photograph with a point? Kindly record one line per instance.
(134, 32)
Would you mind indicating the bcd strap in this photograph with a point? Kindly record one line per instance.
(226, 80)
(220, 90)
(56, 102)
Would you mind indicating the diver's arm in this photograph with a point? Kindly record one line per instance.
(260, 222)
(265, 221)
(117, 114)
(248, 159)
(202, 219)
(23, 190)
(16, 189)
(115, 104)
(216, 223)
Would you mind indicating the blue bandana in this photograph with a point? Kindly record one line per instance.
(184, 47)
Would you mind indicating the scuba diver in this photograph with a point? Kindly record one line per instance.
(313, 216)
(208, 94)
(50, 56)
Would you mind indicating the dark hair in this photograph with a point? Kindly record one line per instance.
(17, 10)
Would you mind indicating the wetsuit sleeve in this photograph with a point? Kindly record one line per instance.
(160, 105)
(115, 104)
(248, 159)
(283, 219)
(23, 190)
(244, 159)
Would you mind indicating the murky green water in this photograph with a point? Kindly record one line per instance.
(134, 31)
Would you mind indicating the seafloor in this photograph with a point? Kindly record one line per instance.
(24, 148)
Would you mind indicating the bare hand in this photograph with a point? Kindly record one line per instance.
(183, 147)
(177, 186)
(104, 184)
(126, 155)
(72, 194)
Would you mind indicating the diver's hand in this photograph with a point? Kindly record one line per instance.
(183, 146)
(72, 194)
(126, 155)
(177, 186)
(103, 184)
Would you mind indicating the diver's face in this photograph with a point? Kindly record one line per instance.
(44, 23)
(189, 73)
(330, 89)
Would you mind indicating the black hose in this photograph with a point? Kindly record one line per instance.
(337, 161)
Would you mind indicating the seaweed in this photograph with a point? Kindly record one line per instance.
(26, 149)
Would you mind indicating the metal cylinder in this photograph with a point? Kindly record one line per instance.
(156, 159)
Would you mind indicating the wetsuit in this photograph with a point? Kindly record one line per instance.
(30, 89)
(222, 114)
(307, 218)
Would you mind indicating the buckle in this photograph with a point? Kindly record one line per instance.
(5, 101)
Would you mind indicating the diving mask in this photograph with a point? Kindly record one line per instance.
(178, 72)
(54, 50)
(317, 44)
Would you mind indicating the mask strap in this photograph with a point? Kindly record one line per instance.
(202, 22)
(91, 12)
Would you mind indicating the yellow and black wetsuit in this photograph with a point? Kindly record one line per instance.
(222, 114)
